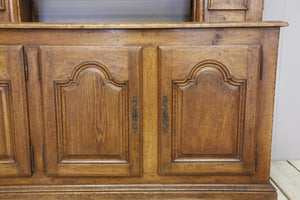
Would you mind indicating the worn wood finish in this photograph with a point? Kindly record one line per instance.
(210, 102)
(228, 11)
(14, 136)
(107, 26)
(91, 101)
(15, 11)
(67, 62)
(2, 5)
(150, 40)
(172, 191)
(203, 10)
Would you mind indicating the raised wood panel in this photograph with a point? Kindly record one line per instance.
(228, 4)
(4, 15)
(227, 10)
(91, 97)
(220, 117)
(208, 109)
(2, 6)
(14, 134)
(6, 148)
(96, 119)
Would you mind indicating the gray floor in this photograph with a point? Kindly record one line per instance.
(285, 176)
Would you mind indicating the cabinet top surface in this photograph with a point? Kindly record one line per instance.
(192, 25)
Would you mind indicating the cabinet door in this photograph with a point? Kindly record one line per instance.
(14, 132)
(92, 113)
(208, 101)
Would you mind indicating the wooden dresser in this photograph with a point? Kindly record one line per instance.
(139, 110)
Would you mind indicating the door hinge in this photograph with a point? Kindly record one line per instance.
(44, 164)
(32, 159)
(256, 157)
(25, 65)
(261, 64)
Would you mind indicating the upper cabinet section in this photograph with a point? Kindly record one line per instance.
(114, 11)
(15, 11)
(227, 10)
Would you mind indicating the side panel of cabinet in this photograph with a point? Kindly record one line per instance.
(14, 132)
(208, 99)
(92, 110)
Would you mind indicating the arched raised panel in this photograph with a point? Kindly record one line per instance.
(2, 6)
(95, 119)
(6, 137)
(92, 110)
(15, 158)
(208, 109)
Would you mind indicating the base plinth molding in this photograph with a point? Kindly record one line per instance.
(142, 191)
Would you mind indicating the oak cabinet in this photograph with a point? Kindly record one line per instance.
(15, 157)
(208, 97)
(91, 98)
(137, 111)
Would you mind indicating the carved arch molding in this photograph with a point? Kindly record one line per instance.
(102, 101)
(215, 119)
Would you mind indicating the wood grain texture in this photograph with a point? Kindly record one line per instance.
(139, 110)
(149, 40)
(72, 47)
(2, 5)
(34, 25)
(6, 136)
(172, 191)
(92, 88)
(228, 5)
(228, 11)
(203, 10)
(286, 178)
(269, 38)
(4, 11)
(15, 11)
(14, 137)
(212, 113)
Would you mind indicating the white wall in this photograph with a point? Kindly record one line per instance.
(286, 131)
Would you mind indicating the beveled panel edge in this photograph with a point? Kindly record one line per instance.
(5, 92)
(185, 25)
(190, 79)
(73, 81)
(244, 7)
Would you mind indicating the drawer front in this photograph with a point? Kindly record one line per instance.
(92, 110)
(14, 132)
(208, 100)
